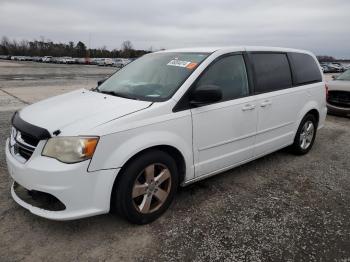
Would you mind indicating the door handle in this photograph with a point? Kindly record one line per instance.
(266, 103)
(248, 107)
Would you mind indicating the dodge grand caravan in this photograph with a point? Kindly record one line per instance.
(169, 118)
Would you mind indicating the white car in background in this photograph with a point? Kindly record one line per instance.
(105, 62)
(47, 59)
(24, 58)
(120, 62)
(67, 60)
(338, 98)
(169, 118)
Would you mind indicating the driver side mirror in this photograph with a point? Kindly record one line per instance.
(205, 94)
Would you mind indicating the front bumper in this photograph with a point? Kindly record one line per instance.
(83, 193)
(338, 110)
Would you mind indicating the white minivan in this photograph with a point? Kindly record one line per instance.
(169, 118)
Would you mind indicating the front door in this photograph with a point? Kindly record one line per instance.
(224, 132)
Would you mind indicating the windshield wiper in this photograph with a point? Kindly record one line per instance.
(113, 93)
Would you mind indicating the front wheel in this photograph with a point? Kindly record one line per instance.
(305, 136)
(146, 187)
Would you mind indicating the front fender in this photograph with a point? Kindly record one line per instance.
(114, 150)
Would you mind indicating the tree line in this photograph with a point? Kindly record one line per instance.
(324, 58)
(44, 47)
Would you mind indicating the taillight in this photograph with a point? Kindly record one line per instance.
(326, 87)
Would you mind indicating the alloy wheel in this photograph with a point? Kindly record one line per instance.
(151, 188)
(306, 135)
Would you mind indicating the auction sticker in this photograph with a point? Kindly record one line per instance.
(191, 66)
(178, 63)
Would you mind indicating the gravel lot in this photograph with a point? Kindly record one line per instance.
(278, 208)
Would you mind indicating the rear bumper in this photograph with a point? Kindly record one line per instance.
(83, 193)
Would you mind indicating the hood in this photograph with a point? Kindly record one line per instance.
(339, 85)
(77, 112)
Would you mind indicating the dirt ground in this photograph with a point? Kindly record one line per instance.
(278, 208)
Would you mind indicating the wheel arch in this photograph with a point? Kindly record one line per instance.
(171, 150)
(296, 148)
(315, 113)
(309, 108)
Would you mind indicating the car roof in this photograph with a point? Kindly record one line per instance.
(235, 48)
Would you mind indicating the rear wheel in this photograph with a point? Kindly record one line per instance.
(305, 136)
(146, 187)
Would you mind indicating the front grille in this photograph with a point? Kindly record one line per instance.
(339, 98)
(29, 139)
(23, 150)
(22, 144)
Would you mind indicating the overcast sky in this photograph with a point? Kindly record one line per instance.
(322, 26)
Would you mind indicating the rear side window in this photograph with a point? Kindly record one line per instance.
(305, 69)
(272, 72)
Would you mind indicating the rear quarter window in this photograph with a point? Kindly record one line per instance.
(305, 69)
(272, 72)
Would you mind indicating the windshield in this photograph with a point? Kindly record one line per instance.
(344, 76)
(152, 77)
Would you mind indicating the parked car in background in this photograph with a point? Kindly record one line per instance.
(5, 57)
(338, 99)
(55, 60)
(116, 62)
(340, 66)
(80, 61)
(20, 58)
(334, 68)
(37, 59)
(325, 69)
(67, 60)
(47, 59)
(105, 62)
(95, 61)
(120, 62)
(169, 118)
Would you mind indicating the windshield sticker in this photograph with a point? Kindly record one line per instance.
(191, 66)
(178, 63)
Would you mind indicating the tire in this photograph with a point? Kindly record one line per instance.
(137, 197)
(304, 139)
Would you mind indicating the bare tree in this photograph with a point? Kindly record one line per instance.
(127, 49)
(127, 46)
(5, 45)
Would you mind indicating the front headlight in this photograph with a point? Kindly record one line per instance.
(70, 149)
